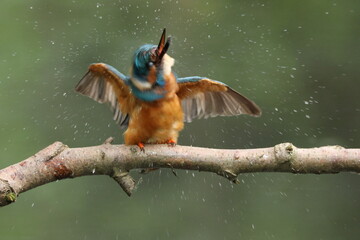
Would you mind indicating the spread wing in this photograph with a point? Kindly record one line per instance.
(105, 84)
(203, 98)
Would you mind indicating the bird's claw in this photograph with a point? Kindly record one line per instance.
(141, 146)
(171, 143)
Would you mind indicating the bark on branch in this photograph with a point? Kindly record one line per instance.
(58, 161)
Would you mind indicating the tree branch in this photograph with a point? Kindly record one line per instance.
(58, 161)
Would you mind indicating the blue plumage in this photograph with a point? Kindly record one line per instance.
(119, 74)
(147, 96)
(141, 60)
(196, 79)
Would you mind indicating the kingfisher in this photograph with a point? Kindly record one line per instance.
(153, 103)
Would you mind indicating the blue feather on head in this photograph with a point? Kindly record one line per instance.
(141, 59)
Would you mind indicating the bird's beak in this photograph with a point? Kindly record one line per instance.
(162, 47)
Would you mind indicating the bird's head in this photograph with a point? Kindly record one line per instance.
(151, 64)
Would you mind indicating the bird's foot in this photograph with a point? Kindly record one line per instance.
(141, 146)
(171, 143)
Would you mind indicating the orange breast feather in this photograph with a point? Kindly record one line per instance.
(155, 122)
(158, 121)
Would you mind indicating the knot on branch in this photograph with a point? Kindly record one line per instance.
(285, 155)
(231, 176)
(59, 169)
(123, 178)
(7, 193)
(50, 152)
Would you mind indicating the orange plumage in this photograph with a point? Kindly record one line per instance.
(156, 121)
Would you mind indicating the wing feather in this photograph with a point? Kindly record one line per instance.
(203, 98)
(105, 84)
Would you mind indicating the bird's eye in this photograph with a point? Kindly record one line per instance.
(150, 64)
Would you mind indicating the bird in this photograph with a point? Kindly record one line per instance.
(153, 103)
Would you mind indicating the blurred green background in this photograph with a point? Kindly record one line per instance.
(299, 60)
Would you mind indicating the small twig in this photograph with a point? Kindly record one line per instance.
(109, 140)
(172, 169)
